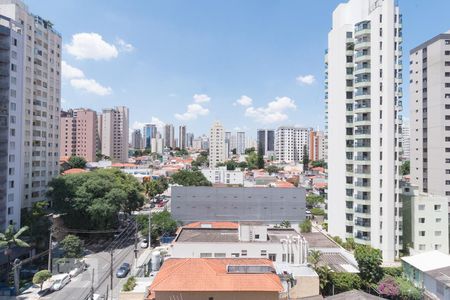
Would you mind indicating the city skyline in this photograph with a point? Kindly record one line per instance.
(184, 82)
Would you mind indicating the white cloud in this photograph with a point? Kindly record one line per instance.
(124, 46)
(87, 45)
(201, 98)
(244, 101)
(275, 111)
(193, 112)
(159, 124)
(69, 72)
(91, 86)
(306, 79)
(137, 125)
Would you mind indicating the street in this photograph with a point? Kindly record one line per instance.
(80, 286)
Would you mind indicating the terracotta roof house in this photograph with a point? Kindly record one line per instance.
(74, 171)
(216, 279)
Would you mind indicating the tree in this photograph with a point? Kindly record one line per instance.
(272, 169)
(325, 226)
(319, 163)
(313, 200)
(252, 160)
(40, 277)
(190, 178)
(314, 258)
(343, 282)
(181, 152)
(349, 244)
(306, 226)
(324, 273)
(9, 239)
(407, 289)
(77, 162)
(94, 199)
(405, 168)
(201, 160)
(260, 159)
(72, 246)
(249, 150)
(305, 158)
(388, 287)
(38, 223)
(162, 223)
(315, 211)
(369, 263)
(338, 240)
(151, 188)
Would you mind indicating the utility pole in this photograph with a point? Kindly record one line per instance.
(111, 273)
(135, 243)
(92, 285)
(50, 248)
(150, 229)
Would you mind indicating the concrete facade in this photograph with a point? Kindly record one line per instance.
(265, 139)
(224, 176)
(115, 133)
(291, 143)
(364, 77)
(216, 145)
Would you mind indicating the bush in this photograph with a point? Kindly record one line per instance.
(369, 264)
(129, 285)
(408, 290)
(325, 226)
(40, 277)
(306, 226)
(388, 287)
(338, 240)
(344, 282)
(317, 211)
(393, 271)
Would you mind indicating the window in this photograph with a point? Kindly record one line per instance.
(234, 254)
(257, 236)
(438, 220)
(205, 255)
(421, 220)
(272, 256)
(421, 233)
(263, 252)
(220, 255)
(243, 252)
(437, 207)
(421, 247)
(10, 210)
(437, 233)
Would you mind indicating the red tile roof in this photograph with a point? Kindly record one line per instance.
(74, 171)
(123, 165)
(210, 274)
(214, 225)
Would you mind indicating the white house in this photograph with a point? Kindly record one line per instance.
(224, 176)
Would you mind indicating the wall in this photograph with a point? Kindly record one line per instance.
(216, 295)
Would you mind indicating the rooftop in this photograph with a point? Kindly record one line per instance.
(226, 235)
(442, 275)
(214, 225)
(319, 240)
(211, 274)
(428, 261)
(354, 295)
(74, 171)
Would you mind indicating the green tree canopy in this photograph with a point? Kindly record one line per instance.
(181, 152)
(201, 160)
(319, 163)
(162, 223)
(313, 200)
(369, 263)
(38, 223)
(314, 258)
(190, 178)
(405, 168)
(94, 199)
(344, 282)
(155, 187)
(72, 246)
(40, 277)
(305, 226)
(77, 162)
(272, 169)
(305, 158)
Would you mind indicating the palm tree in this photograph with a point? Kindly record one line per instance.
(314, 258)
(10, 239)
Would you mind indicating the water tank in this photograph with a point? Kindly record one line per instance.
(156, 260)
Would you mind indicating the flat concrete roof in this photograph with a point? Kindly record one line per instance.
(319, 240)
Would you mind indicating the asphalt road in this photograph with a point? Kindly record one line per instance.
(80, 286)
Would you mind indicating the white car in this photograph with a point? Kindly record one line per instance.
(144, 243)
(59, 281)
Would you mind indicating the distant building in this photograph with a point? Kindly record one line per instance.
(217, 145)
(182, 137)
(149, 132)
(425, 220)
(115, 133)
(78, 132)
(228, 144)
(291, 143)
(240, 142)
(224, 176)
(216, 278)
(265, 139)
(136, 139)
(406, 140)
(267, 205)
(189, 139)
(157, 144)
(169, 136)
(316, 145)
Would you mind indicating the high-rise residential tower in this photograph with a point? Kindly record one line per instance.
(11, 122)
(40, 78)
(364, 103)
(182, 137)
(228, 144)
(406, 140)
(265, 139)
(216, 145)
(78, 131)
(189, 139)
(115, 135)
(136, 139)
(148, 133)
(240, 142)
(430, 115)
(291, 143)
(169, 136)
(316, 145)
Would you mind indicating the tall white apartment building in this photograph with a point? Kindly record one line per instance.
(216, 145)
(115, 134)
(364, 101)
(11, 121)
(240, 142)
(430, 115)
(406, 140)
(291, 143)
(40, 77)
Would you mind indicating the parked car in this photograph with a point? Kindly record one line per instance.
(59, 281)
(123, 270)
(144, 243)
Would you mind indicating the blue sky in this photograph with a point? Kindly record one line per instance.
(188, 62)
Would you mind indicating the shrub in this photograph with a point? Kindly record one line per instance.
(306, 226)
(344, 282)
(129, 285)
(389, 287)
(393, 271)
(317, 211)
(408, 290)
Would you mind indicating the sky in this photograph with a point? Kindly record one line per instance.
(246, 63)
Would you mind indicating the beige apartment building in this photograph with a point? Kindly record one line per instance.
(41, 79)
(113, 126)
(78, 131)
